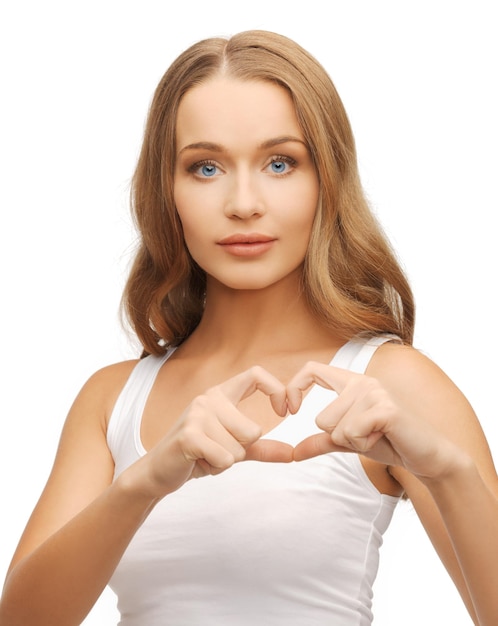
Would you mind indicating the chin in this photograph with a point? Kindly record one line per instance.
(257, 280)
(248, 286)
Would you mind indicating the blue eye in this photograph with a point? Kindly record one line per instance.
(204, 169)
(281, 165)
(207, 170)
(278, 166)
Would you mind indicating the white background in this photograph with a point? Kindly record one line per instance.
(419, 82)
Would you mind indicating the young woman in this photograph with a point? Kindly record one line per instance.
(277, 368)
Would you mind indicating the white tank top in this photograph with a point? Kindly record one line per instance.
(260, 544)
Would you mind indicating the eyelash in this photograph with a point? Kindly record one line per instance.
(198, 164)
(279, 158)
(283, 159)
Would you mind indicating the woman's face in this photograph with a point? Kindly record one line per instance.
(245, 187)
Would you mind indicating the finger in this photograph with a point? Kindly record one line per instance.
(229, 423)
(356, 408)
(270, 451)
(322, 443)
(216, 457)
(356, 421)
(256, 378)
(315, 445)
(331, 416)
(327, 376)
(355, 439)
(367, 418)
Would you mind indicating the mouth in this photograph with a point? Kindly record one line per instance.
(250, 238)
(247, 245)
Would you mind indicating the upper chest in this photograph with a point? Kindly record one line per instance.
(178, 383)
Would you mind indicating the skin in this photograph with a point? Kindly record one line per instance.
(258, 180)
(203, 415)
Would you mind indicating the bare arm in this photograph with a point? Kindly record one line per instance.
(81, 524)
(459, 509)
(83, 521)
(408, 415)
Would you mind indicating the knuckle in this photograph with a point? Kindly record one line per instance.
(372, 389)
(188, 434)
(348, 434)
(214, 471)
(200, 404)
(386, 405)
(369, 384)
(337, 437)
(381, 399)
(210, 395)
(239, 454)
(256, 371)
(322, 422)
(310, 366)
(228, 461)
(254, 431)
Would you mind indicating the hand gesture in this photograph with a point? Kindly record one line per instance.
(212, 434)
(365, 419)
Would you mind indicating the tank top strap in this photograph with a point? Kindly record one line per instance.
(131, 401)
(355, 355)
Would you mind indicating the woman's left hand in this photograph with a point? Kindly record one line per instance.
(365, 419)
(407, 414)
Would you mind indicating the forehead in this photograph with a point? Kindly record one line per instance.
(231, 110)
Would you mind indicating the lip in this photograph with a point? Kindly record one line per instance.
(247, 245)
(245, 238)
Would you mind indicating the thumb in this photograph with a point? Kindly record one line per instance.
(315, 445)
(270, 451)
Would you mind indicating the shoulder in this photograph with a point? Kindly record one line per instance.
(100, 392)
(393, 355)
(406, 371)
(112, 375)
(420, 387)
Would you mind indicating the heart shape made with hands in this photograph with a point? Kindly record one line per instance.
(302, 437)
(360, 417)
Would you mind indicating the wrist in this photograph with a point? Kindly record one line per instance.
(456, 474)
(132, 487)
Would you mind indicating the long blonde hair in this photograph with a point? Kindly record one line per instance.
(351, 278)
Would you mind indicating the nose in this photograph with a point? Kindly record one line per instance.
(244, 199)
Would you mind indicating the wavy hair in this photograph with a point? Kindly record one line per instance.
(351, 278)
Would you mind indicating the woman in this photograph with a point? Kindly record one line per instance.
(277, 367)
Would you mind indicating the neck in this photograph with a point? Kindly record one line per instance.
(276, 319)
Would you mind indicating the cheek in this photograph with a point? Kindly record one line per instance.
(187, 210)
(194, 204)
(191, 231)
(182, 202)
(186, 226)
(304, 220)
(304, 210)
(195, 220)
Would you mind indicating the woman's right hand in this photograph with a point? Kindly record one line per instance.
(211, 435)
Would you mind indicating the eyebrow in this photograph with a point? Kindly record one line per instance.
(269, 143)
